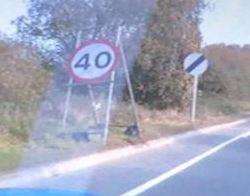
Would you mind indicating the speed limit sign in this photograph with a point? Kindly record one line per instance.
(93, 61)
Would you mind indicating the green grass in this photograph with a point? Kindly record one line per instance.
(17, 118)
(15, 122)
(217, 105)
(10, 153)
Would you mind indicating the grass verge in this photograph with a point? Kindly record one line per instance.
(10, 152)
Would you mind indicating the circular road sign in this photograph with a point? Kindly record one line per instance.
(195, 64)
(93, 61)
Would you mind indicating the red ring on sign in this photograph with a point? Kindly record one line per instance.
(101, 78)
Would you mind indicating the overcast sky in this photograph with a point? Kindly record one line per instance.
(228, 21)
(9, 10)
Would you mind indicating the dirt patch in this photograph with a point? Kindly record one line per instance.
(158, 124)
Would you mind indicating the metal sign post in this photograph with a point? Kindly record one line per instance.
(111, 89)
(69, 92)
(92, 97)
(67, 101)
(195, 64)
(131, 93)
(110, 95)
(195, 90)
(93, 63)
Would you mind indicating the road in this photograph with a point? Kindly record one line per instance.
(199, 163)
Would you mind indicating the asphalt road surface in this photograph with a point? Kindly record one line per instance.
(195, 164)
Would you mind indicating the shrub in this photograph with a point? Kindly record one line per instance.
(158, 76)
(22, 83)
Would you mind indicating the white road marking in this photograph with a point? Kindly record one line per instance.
(165, 176)
(62, 168)
(30, 175)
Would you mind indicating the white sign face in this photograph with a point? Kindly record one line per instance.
(94, 61)
(196, 64)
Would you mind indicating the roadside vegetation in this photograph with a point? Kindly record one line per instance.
(32, 61)
(22, 84)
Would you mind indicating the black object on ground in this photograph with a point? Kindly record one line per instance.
(132, 131)
(83, 136)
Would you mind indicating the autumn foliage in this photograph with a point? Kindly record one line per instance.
(159, 79)
(229, 73)
(22, 85)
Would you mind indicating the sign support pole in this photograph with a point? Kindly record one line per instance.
(195, 90)
(69, 92)
(110, 95)
(66, 109)
(92, 97)
(131, 93)
(195, 64)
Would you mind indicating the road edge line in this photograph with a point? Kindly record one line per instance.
(182, 167)
(76, 164)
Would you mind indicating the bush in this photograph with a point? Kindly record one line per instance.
(230, 71)
(22, 83)
(168, 89)
(158, 76)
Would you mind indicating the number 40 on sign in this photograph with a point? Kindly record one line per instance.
(93, 61)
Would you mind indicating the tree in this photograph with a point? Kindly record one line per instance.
(22, 83)
(22, 79)
(53, 26)
(229, 73)
(173, 32)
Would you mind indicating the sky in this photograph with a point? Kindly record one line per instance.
(226, 21)
(9, 10)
